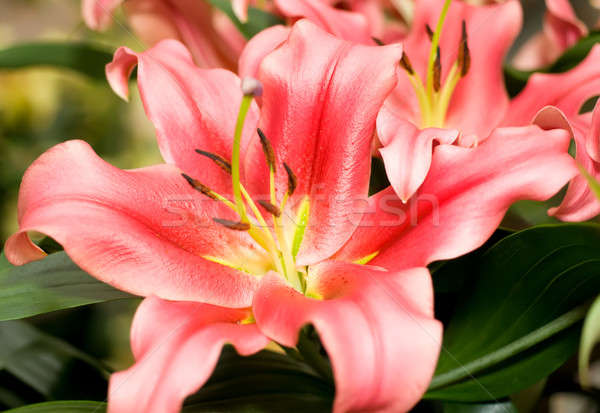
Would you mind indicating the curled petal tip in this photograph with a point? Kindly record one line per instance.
(252, 87)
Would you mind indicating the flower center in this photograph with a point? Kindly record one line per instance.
(280, 241)
(433, 94)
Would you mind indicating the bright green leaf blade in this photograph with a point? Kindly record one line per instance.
(76, 406)
(258, 20)
(266, 382)
(590, 336)
(49, 365)
(518, 319)
(84, 58)
(51, 284)
(496, 407)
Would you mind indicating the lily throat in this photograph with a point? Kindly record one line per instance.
(275, 226)
(434, 93)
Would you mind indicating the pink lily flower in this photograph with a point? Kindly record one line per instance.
(461, 99)
(562, 29)
(456, 96)
(211, 37)
(268, 231)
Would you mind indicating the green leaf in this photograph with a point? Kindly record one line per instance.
(84, 58)
(590, 336)
(51, 284)
(266, 382)
(76, 406)
(516, 79)
(519, 316)
(49, 365)
(258, 20)
(496, 407)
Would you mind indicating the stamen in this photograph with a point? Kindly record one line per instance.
(292, 180)
(377, 41)
(272, 209)
(429, 32)
(437, 71)
(406, 65)
(198, 186)
(236, 226)
(464, 55)
(435, 41)
(219, 160)
(267, 149)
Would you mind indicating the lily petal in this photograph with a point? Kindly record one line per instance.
(176, 347)
(567, 91)
(210, 35)
(259, 47)
(407, 151)
(341, 23)
(377, 327)
(580, 203)
(562, 29)
(143, 231)
(463, 198)
(240, 8)
(191, 108)
(320, 102)
(97, 14)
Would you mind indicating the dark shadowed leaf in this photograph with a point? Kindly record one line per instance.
(84, 58)
(49, 365)
(495, 407)
(519, 315)
(266, 382)
(51, 284)
(76, 406)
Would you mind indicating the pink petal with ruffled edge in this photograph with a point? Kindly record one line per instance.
(407, 151)
(343, 24)
(97, 14)
(377, 327)
(580, 203)
(567, 91)
(191, 108)
(143, 231)
(463, 198)
(320, 101)
(176, 346)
